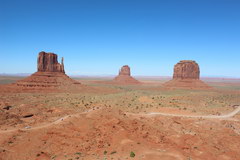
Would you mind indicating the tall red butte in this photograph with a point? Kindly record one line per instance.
(186, 75)
(48, 62)
(124, 76)
(50, 75)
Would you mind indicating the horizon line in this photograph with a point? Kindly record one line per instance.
(113, 75)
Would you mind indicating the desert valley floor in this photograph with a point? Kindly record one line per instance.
(119, 122)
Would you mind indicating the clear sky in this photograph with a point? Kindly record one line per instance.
(97, 37)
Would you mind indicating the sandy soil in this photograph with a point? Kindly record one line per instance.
(138, 122)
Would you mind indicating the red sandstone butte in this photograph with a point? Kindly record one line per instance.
(48, 62)
(124, 76)
(125, 70)
(186, 70)
(50, 75)
(186, 75)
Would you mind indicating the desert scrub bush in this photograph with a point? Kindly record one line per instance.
(105, 152)
(113, 152)
(78, 153)
(132, 154)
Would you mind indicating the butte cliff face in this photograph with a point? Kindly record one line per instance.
(125, 70)
(186, 75)
(50, 76)
(186, 70)
(124, 76)
(48, 62)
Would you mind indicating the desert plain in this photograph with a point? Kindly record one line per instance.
(109, 121)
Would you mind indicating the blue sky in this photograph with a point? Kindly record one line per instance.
(98, 37)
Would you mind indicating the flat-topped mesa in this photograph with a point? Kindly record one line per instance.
(48, 62)
(186, 75)
(186, 69)
(125, 70)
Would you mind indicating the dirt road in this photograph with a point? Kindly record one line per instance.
(229, 115)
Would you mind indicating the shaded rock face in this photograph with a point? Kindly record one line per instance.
(125, 70)
(48, 62)
(186, 69)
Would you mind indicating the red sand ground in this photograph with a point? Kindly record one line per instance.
(109, 131)
(89, 135)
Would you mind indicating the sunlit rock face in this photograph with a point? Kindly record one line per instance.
(50, 75)
(186, 69)
(186, 75)
(125, 70)
(48, 62)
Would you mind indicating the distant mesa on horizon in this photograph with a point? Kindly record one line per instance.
(186, 75)
(125, 70)
(124, 76)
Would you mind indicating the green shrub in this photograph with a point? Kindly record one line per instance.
(113, 152)
(132, 154)
(105, 152)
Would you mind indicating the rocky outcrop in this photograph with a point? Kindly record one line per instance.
(124, 76)
(125, 70)
(186, 69)
(186, 75)
(48, 62)
(50, 76)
